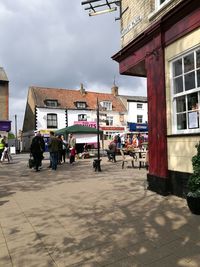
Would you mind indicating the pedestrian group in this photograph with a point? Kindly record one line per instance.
(59, 149)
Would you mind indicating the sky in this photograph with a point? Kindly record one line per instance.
(55, 43)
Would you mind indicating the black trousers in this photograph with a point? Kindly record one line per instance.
(37, 159)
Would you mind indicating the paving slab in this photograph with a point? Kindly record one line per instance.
(77, 217)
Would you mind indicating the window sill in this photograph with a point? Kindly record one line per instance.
(183, 134)
(157, 11)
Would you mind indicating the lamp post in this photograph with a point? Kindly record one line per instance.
(98, 161)
(16, 143)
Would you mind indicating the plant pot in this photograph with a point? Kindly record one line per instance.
(194, 204)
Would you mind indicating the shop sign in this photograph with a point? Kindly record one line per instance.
(131, 25)
(5, 126)
(43, 132)
(110, 128)
(138, 127)
(91, 124)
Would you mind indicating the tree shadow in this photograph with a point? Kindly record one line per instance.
(113, 220)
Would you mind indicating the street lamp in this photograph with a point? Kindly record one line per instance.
(16, 143)
(97, 162)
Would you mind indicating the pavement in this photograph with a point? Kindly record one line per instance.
(75, 217)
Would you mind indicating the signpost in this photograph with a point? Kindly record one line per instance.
(97, 161)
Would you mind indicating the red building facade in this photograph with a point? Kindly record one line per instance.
(144, 56)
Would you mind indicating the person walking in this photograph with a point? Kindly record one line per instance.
(37, 148)
(2, 145)
(72, 141)
(53, 150)
(59, 149)
(72, 148)
(64, 149)
(6, 154)
(72, 155)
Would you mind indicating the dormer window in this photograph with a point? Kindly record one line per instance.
(51, 103)
(81, 105)
(106, 105)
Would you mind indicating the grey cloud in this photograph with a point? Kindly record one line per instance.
(56, 44)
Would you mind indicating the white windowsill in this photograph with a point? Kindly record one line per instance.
(156, 12)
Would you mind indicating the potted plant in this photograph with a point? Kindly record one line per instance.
(193, 195)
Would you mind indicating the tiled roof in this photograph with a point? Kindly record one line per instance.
(67, 98)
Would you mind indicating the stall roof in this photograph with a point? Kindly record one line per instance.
(78, 129)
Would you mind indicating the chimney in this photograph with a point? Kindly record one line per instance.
(82, 90)
(114, 90)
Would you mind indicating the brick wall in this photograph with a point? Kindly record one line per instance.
(29, 119)
(139, 16)
(4, 100)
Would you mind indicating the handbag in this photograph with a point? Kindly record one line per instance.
(31, 162)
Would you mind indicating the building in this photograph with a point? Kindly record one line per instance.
(161, 41)
(5, 124)
(52, 109)
(137, 114)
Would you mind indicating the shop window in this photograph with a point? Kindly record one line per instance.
(52, 121)
(139, 118)
(82, 117)
(186, 92)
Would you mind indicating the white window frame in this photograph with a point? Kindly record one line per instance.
(139, 105)
(184, 93)
(109, 120)
(159, 5)
(82, 117)
(51, 103)
(81, 105)
(53, 120)
(139, 118)
(107, 105)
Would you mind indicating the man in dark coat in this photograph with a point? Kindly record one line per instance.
(37, 149)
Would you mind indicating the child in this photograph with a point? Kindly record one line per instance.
(72, 155)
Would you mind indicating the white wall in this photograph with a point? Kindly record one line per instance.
(133, 111)
(42, 117)
(73, 115)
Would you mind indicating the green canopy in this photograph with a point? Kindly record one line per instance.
(78, 129)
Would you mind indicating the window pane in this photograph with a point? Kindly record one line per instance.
(198, 78)
(190, 81)
(51, 121)
(180, 104)
(139, 106)
(177, 67)
(139, 118)
(189, 62)
(198, 58)
(192, 101)
(181, 121)
(178, 85)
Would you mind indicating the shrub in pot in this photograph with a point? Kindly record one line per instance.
(193, 195)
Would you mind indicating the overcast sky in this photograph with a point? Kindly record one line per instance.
(54, 43)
